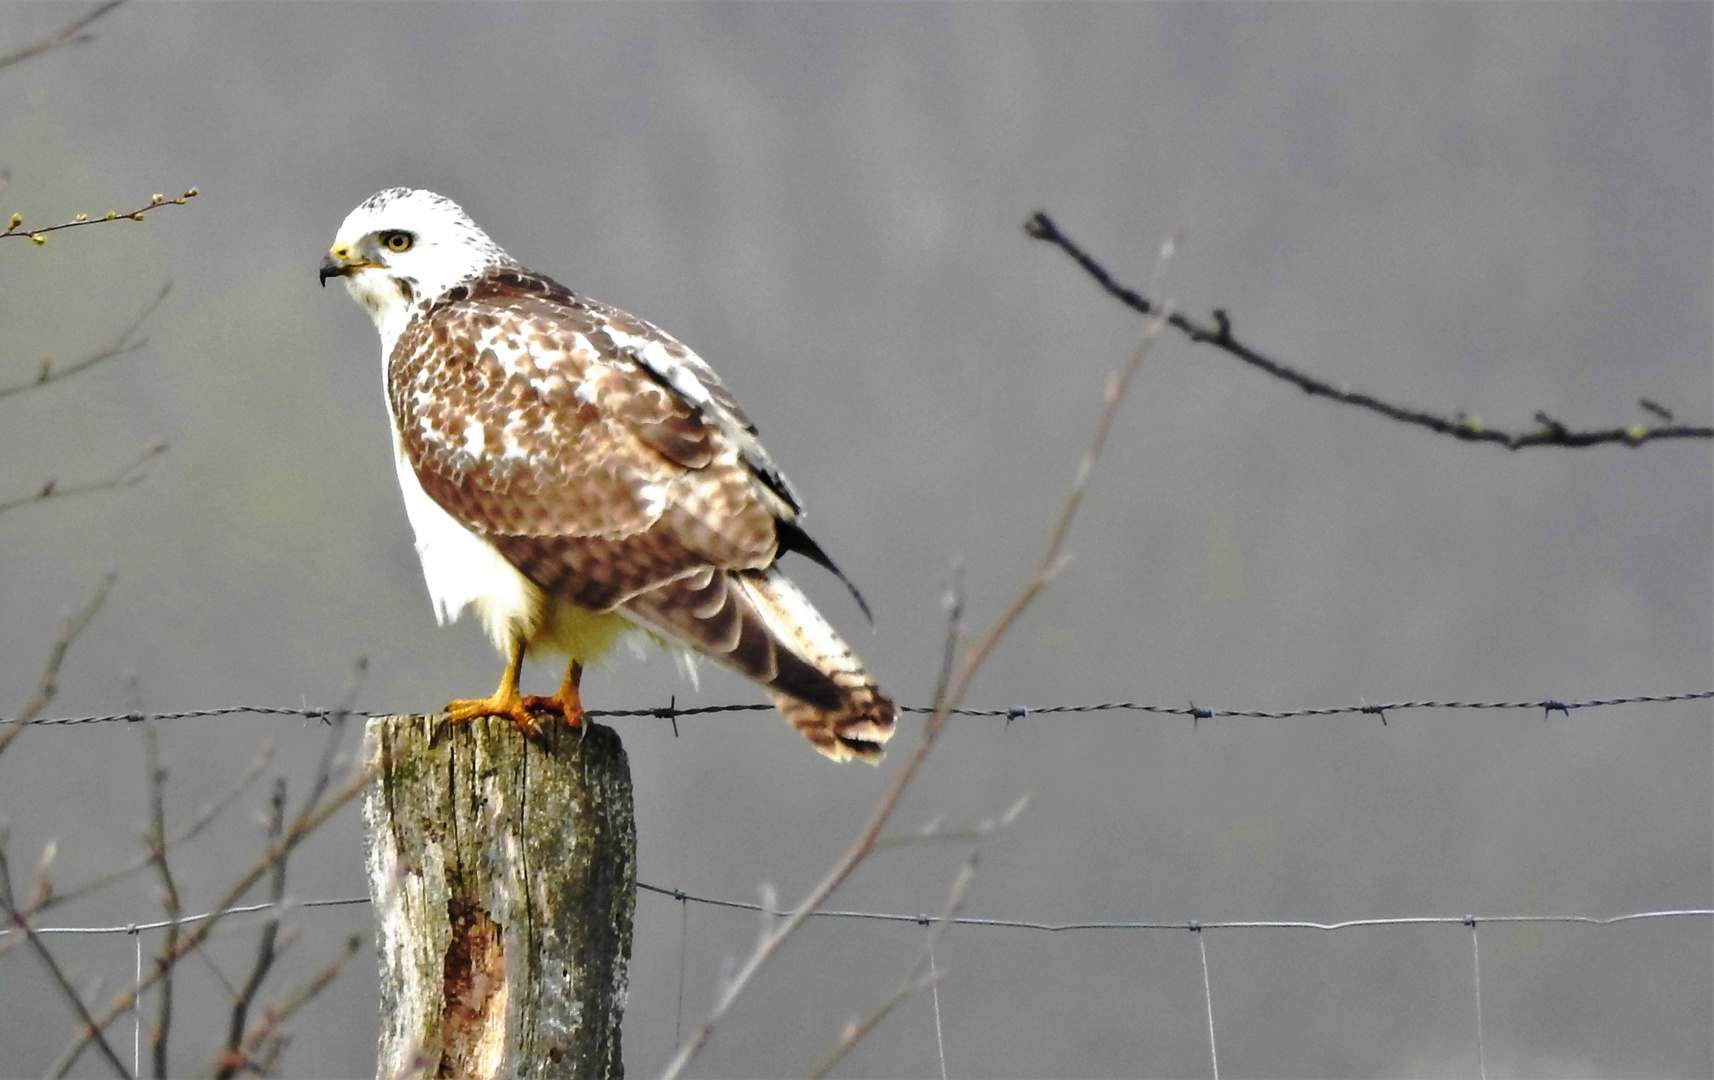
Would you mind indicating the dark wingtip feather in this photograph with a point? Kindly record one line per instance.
(792, 538)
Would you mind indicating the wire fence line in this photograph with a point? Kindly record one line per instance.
(1546, 706)
(1198, 927)
(923, 919)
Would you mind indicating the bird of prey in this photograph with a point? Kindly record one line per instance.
(575, 474)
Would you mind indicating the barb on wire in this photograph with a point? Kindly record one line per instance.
(73, 33)
(1218, 333)
(15, 224)
(1014, 712)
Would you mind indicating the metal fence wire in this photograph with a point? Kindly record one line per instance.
(1546, 706)
(1200, 929)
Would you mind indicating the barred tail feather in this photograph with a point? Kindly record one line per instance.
(758, 623)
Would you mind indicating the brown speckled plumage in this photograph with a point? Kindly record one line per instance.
(569, 435)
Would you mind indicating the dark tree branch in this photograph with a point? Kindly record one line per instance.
(1218, 333)
(70, 34)
(15, 224)
(129, 340)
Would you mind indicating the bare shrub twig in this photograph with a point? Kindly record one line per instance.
(53, 489)
(294, 836)
(265, 1041)
(129, 339)
(157, 847)
(935, 832)
(48, 685)
(315, 811)
(919, 978)
(1048, 566)
(70, 34)
(91, 1031)
(232, 1060)
(15, 224)
(147, 858)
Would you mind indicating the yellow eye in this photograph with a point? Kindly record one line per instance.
(397, 241)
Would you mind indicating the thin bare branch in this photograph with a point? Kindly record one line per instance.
(919, 977)
(264, 947)
(53, 489)
(41, 875)
(184, 836)
(70, 34)
(15, 224)
(91, 1031)
(301, 830)
(169, 892)
(129, 340)
(265, 1041)
(48, 685)
(967, 670)
(954, 602)
(1468, 427)
(933, 832)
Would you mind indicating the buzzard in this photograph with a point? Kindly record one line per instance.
(575, 474)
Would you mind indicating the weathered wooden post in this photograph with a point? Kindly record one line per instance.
(504, 877)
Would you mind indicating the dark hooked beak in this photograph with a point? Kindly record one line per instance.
(332, 267)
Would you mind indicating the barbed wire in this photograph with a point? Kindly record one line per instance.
(1546, 706)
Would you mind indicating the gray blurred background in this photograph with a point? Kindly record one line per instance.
(1498, 209)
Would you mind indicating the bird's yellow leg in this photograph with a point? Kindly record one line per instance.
(566, 700)
(504, 701)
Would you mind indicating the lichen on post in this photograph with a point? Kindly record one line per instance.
(503, 872)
